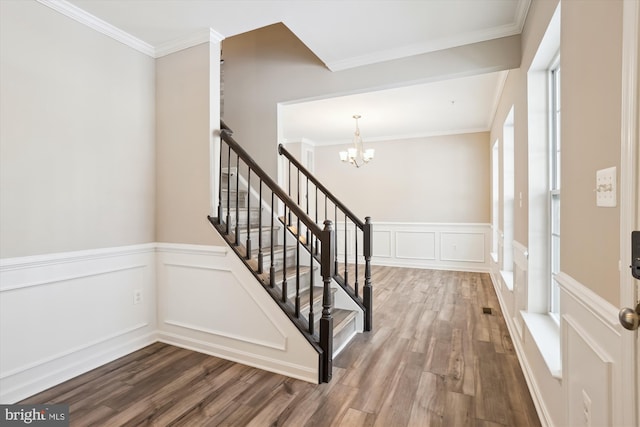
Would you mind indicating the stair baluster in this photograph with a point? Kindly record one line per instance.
(297, 299)
(237, 231)
(346, 253)
(368, 289)
(260, 254)
(284, 259)
(248, 243)
(311, 289)
(355, 239)
(326, 321)
(272, 267)
(228, 222)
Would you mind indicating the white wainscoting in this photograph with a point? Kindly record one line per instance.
(589, 340)
(591, 355)
(463, 247)
(64, 314)
(208, 301)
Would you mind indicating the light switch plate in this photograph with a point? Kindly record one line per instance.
(606, 187)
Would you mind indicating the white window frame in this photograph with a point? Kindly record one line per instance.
(495, 194)
(555, 75)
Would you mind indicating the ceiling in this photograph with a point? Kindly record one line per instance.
(446, 107)
(343, 34)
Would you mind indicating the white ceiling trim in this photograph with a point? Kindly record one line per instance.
(91, 21)
(521, 13)
(79, 15)
(422, 48)
(502, 79)
(398, 137)
(200, 37)
(433, 46)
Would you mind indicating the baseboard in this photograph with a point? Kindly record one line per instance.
(536, 394)
(277, 366)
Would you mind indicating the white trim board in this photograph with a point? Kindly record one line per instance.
(629, 199)
(83, 17)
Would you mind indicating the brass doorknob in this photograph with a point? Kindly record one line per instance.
(630, 318)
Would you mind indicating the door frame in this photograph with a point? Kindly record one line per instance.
(629, 186)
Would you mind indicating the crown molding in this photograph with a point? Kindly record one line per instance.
(424, 48)
(502, 79)
(521, 13)
(396, 137)
(79, 15)
(205, 36)
(511, 29)
(91, 21)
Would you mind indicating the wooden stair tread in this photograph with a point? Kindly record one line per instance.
(294, 230)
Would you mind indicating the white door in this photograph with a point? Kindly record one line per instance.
(637, 295)
(630, 205)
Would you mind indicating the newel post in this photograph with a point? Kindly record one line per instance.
(327, 255)
(368, 289)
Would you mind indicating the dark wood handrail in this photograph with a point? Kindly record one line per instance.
(357, 221)
(292, 206)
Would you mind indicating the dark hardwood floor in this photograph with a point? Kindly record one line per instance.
(433, 359)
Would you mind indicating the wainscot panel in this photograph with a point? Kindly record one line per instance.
(460, 247)
(57, 314)
(591, 342)
(208, 301)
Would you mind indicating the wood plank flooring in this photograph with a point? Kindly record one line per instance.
(433, 359)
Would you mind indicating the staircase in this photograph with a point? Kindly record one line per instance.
(292, 254)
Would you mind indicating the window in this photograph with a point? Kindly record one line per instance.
(541, 304)
(554, 187)
(508, 185)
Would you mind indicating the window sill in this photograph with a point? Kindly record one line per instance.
(507, 278)
(546, 335)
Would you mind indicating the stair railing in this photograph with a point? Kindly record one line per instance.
(236, 161)
(353, 228)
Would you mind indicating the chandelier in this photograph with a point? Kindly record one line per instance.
(357, 155)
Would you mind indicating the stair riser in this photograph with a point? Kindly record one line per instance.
(340, 337)
(278, 261)
(242, 199)
(242, 217)
(291, 283)
(345, 335)
(231, 181)
(317, 309)
(255, 234)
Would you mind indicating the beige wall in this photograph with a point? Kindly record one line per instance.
(76, 136)
(591, 120)
(265, 67)
(442, 179)
(186, 118)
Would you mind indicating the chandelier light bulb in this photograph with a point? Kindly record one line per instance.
(357, 155)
